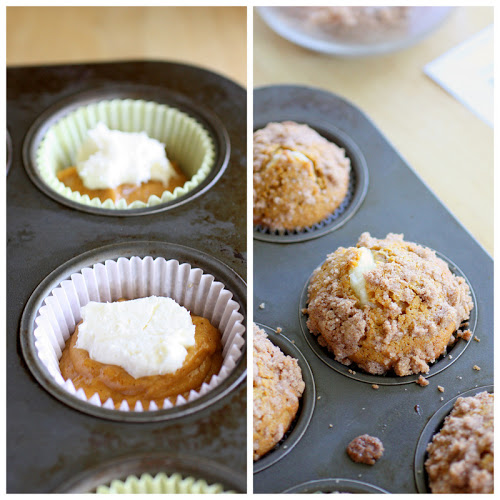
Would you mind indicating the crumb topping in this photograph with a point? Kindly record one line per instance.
(365, 449)
(277, 387)
(415, 305)
(299, 177)
(461, 454)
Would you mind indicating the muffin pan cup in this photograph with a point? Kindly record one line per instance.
(122, 104)
(306, 403)
(49, 442)
(452, 353)
(433, 427)
(155, 463)
(358, 183)
(335, 486)
(121, 271)
(396, 201)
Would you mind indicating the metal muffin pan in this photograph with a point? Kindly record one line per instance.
(335, 486)
(151, 463)
(195, 258)
(49, 442)
(358, 183)
(433, 427)
(306, 407)
(396, 201)
(55, 113)
(450, 356)
(9, 151)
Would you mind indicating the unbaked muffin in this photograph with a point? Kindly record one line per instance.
(386, 304)
(143, 352)
(277, 387)
(299, 178)
(461, 453)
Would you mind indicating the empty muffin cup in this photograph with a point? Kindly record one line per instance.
(334, 486)
(187, 143)
(129, 278)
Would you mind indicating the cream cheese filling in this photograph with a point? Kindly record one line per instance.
(147, 336)
(365, 264)
(110, 158)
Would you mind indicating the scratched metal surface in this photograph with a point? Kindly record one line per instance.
(48, 443)
(396, 201)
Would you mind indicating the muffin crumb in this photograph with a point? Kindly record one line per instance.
(375, 386)
(477, 339)
(475, 367)
(262, 305)
(422, 381)
(440, 388)
(464, 334)
(365, 449)
(279, 329)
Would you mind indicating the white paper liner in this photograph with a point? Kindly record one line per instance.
(134, 278)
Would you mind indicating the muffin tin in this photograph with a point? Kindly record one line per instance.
(48, 442)
(396, 201)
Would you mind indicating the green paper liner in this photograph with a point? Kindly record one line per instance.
(187, 143)
(161, 483)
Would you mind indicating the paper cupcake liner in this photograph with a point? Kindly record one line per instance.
(134, 278)
(319, 225)
(187, 143)
(161, 483)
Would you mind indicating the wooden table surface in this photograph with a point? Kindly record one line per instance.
(446, 144)
(211, 37)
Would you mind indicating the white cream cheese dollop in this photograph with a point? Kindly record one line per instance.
(110, 158)
(147, 336)
(287, 155)
(365, 264)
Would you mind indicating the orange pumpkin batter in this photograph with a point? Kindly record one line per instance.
(203, 360)
(70, 178)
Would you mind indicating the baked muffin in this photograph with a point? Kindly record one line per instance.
(299, 178)
(386, 304)
(461, 453)
(277, 387)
